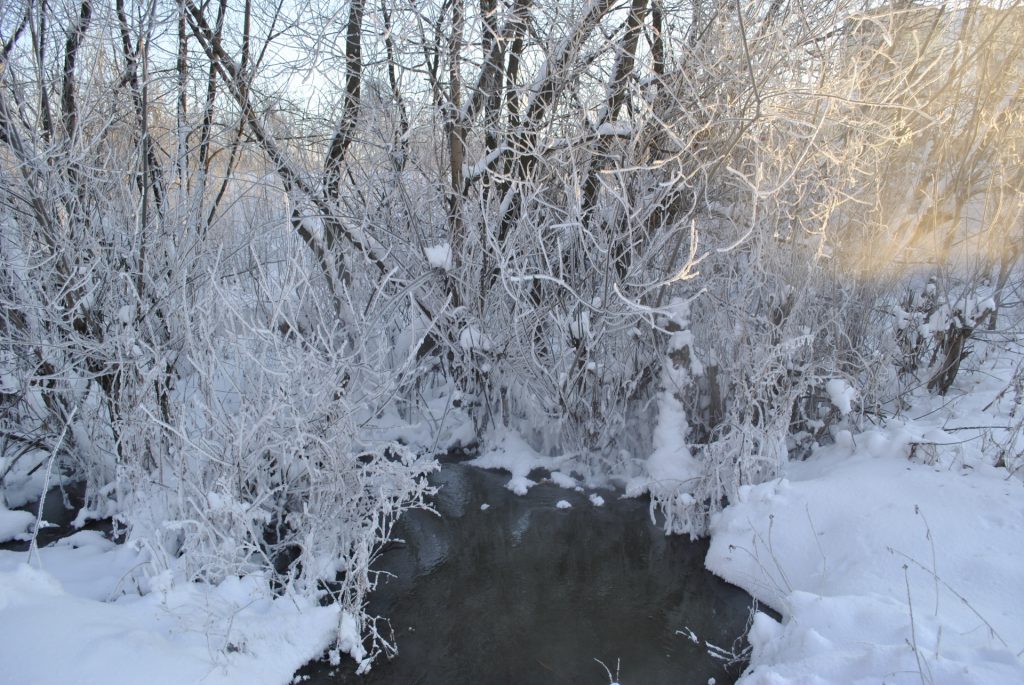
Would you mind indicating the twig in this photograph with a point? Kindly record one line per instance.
(935, 567)
(963, 599)
(33, 547)
(913, 631)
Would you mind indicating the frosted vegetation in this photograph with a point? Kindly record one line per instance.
(261, 262)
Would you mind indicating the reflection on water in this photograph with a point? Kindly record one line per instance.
(524, 593)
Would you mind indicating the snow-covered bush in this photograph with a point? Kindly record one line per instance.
(214, 381)
(219, 420)
(266, 468)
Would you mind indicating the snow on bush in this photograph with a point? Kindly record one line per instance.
(265, 469)
(671, 468)
(439, 256)
(473, 339)
(219, 418)
(841, 395)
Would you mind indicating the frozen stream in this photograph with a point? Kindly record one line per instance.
(525, 592)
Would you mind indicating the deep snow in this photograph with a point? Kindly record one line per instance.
(79, 619)
(895, 555)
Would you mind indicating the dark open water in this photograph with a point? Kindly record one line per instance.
(527, 593)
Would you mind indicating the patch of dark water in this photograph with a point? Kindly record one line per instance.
(521, 591)
(60, 508)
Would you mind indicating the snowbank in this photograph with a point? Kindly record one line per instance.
(58, 628)
(884, 569)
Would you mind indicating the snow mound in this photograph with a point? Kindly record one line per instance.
(60, 630)
(884, 570)
(14, 523)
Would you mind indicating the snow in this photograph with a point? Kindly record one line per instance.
(563, 504)
(23, 484)
(473, 171)
(472, 338)
(841, 395)
(564, 480)
(983, 307)
(671, 467)
(671, 464)
(520, 485)
(14, 523)
(349, 642)
(893, 555)
(579, 325)
(82, 620)
(439, 256)
(618, 129)
(508, 451)
(596, 500)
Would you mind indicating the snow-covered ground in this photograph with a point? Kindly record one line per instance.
(895, 555)
(75, 616)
